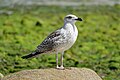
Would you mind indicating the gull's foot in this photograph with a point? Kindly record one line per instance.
(60, 68)
(57, 67)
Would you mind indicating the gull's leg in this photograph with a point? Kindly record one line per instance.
(61, 61)
(57, 66)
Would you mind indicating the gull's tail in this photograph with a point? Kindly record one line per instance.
(33, 54)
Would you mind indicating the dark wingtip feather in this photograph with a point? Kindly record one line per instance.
(25, 57)
(30, 55)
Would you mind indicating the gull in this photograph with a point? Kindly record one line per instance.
(59, 41)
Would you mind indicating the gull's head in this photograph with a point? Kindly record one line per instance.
(71, 18)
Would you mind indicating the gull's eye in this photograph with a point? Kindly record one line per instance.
(69, 17)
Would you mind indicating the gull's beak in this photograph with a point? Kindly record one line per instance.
(79, 19)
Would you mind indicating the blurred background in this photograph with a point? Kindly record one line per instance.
(25, 23)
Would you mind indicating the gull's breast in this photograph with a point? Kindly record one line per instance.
(70, 37)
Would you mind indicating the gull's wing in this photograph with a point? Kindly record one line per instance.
(48, 45)
(50, 42)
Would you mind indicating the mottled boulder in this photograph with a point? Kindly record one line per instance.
(54, 74)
